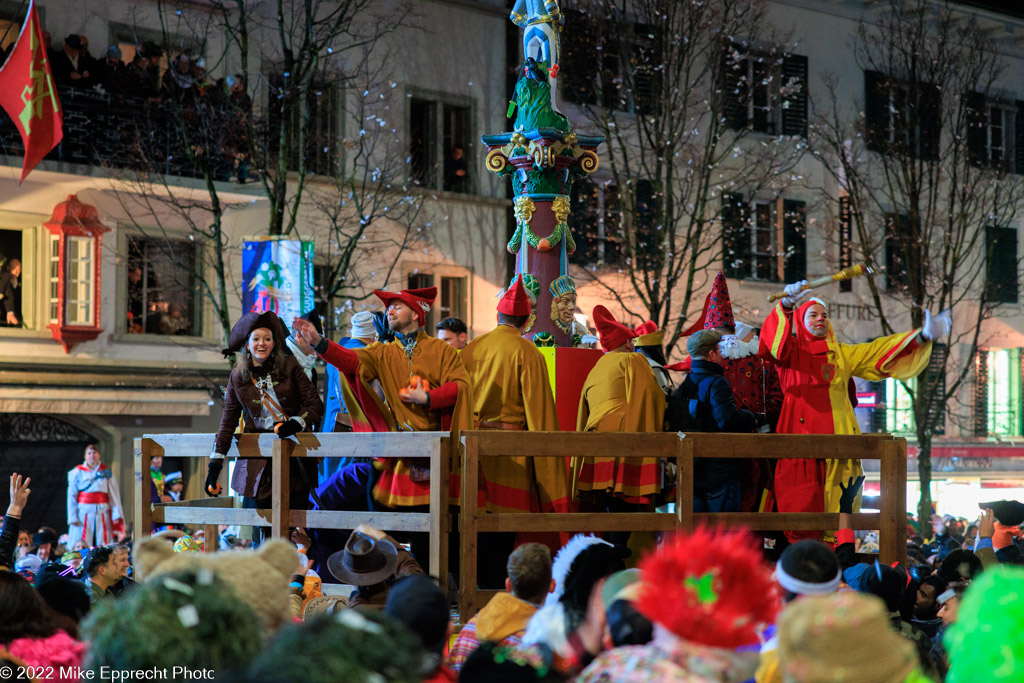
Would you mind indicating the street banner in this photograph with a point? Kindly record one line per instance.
(278, 276)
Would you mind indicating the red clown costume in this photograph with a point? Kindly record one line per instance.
(815, 372)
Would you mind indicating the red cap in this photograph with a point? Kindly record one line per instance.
(515, 301)
(717, 308)
(614, 334)
(419, 300)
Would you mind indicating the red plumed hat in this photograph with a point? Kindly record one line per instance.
(419, 300)
(717, 308)
(515, 301)
(709, 587)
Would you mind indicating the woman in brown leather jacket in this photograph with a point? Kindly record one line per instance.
(270, 392)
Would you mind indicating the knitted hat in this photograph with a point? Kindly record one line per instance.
(419, 300)
(987, 640)
(709, 588)
(842, 638)
(254, 320)
(717, 308)
(113, 52)
(515, 301)
(361, 326)
(349, 645)
(189, 619)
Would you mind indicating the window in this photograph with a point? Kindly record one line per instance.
(81, 283)
(899, 251)
(321, 98)
(440, 130)
(994, 132)
(593, 70)
(764, 240)
(899, 407)
(54, 279)
(595, 223)
(1001, 281)
(763, 92)
(161, 287)
(902, 117)
(1003, 406)
(452, 300)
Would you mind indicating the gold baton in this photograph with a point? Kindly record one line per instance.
(845, 274)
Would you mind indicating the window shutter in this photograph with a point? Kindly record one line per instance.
(1001, 261)
(579, 68)
(876, 111)
(981, 393)
(735, 240)
(879, 423)
(937, 382)
(896, 237)
(845, 240)
(794, 104)
(794, 240)
(647, 69)
(929, 111)
(735, 89)
(1018, 139)
(976, 128)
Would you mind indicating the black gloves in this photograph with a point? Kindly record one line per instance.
(212, 474)
(849, 494)
(288, 428)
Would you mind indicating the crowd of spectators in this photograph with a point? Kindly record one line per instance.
(159, 100)
(704, 606)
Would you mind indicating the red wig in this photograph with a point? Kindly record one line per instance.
(709, 587)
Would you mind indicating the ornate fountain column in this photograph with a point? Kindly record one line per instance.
(543, 157)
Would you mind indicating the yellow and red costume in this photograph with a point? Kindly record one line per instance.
(404, 482)
(814, 373)
(621, 394)
(511, 391)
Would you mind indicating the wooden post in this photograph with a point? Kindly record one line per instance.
(143, 480)
(440, 455)
(468, 529)
(684, 483)
(281, 488)
(892, 537)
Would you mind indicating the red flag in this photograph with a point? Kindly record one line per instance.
(28, 95)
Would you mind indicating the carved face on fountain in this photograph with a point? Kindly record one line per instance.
(563, 302)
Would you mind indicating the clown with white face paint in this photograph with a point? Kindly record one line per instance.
(815, 368)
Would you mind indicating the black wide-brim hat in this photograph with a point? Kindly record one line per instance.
(1007, 512)
(253, 321)
(365, 561)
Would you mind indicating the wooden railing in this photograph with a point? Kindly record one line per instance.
(211, 512)
(474, 446)
(477, 445)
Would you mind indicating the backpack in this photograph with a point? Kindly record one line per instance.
(688, 408)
